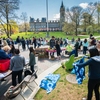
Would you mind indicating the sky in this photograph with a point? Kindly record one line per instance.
(37, 8)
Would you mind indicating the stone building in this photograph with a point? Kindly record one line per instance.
(53, 25)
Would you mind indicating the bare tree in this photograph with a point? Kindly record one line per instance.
(91, 8)
(75, 14)
(24, 18)
(85, 20)
(98, 12)
(7, 12)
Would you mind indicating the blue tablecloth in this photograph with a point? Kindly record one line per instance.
(49, 82)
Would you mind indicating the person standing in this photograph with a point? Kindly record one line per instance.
(17, 64)
(32, 60)
(93, 73)
(23, 43)
(80, 44)
(34, 42)
(58, 49)
(27, 43)
(85, 46)
(18, 40)
(52, 44)
(76, 48)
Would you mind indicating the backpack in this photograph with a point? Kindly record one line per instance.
(27, 72)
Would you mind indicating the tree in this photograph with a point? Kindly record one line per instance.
(68, 27)
(7, 12)
(75, 14)
(91, 8)
(13, 27)
(24, 18)
(85, 18)
(22, 27)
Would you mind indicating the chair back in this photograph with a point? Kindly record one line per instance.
(69, 63)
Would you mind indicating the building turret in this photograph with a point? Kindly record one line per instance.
(62, 15)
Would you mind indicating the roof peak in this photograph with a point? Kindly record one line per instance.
(62, 5)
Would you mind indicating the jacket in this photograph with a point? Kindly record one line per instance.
(32, 59)
(3, 55)
(17, 63)
(94, 67)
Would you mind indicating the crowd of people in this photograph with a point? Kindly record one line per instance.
(17, 61)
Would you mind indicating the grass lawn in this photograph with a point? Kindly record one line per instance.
(43, 34)
(65, 90)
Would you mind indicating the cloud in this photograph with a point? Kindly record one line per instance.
(83, 5)
(56, 16)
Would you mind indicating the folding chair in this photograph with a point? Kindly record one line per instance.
(17, 90)
(30, 78)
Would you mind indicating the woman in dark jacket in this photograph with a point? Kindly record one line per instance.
(93, 73)
(58, 49)
(32, 61)
(76, 48)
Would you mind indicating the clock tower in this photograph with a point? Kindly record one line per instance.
(62, 15)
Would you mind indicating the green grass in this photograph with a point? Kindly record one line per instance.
(43, 34)
(65, 90)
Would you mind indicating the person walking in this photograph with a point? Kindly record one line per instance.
(18, 40)
(17, 64)
(23, 43)
(93, 73)
(32, 60)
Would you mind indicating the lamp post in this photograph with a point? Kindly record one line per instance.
(47, 35)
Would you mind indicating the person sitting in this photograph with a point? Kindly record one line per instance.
(69, 48)
(4, 42)
(93, 41)
(4, 51)
(12, 51)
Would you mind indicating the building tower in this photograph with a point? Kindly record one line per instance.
(62, 15)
